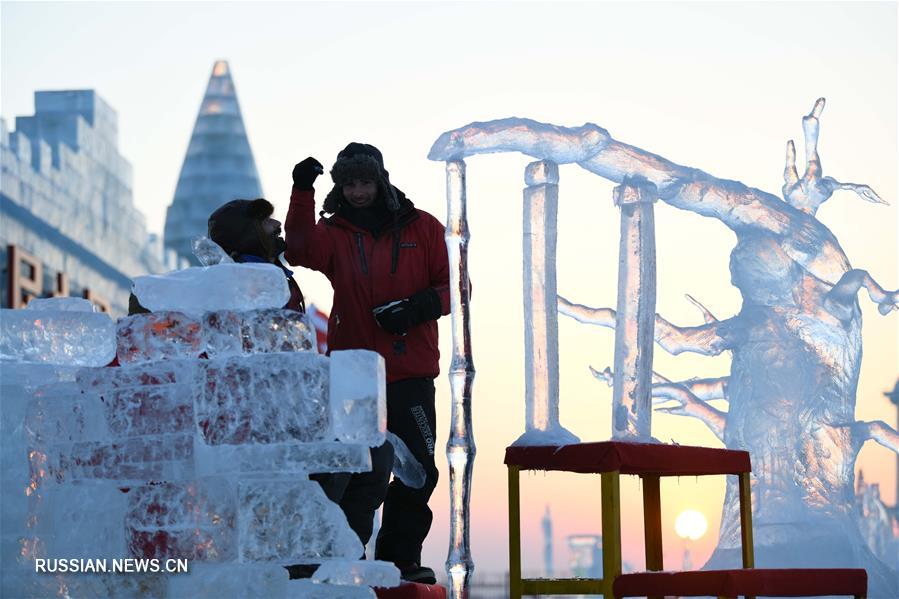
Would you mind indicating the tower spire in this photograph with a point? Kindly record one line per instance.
(217, 167)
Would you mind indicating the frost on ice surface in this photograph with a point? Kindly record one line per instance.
(68, 337)
(371, 573)
(796, 342)
(201, 289)
(292, 522)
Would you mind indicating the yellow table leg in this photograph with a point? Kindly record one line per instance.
(514, 535)
(652, 523)
(746, 521)
(611, 531)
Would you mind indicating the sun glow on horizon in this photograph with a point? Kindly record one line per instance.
(690, 524)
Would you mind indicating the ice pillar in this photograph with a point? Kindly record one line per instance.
(635, 317)
(541, 317)
(460, 448)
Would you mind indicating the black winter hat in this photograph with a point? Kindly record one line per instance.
(235, 226)
(365, 162)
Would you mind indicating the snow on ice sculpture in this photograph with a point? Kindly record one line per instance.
(796, 342)
(173, 456)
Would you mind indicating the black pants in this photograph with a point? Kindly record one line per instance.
(406, 518)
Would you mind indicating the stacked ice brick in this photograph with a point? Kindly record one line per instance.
(198, 445)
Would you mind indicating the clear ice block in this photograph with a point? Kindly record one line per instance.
(160, 372)
(219, 581)
(57, 337)
(314, 590)
(209, 252)
(281, 458)
(372, 573)
(201, 289)
(266, 398)
(129, 461)
(82, 520)
(194, 520)
(292, 522)
(358, 396)
(158, 336)
(61, 304)
(257, 331)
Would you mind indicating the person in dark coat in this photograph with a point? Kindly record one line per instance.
(387, 262)
(247, 232)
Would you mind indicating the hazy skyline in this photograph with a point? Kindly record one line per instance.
(719, 87)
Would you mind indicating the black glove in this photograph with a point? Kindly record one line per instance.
(305, 172)
(399, 316)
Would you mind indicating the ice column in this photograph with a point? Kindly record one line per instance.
(541, 318)
(460, 448)
(635, 316)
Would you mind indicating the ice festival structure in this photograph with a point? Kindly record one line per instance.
(196, 446)
(218, 166)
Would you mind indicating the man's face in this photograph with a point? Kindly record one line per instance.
(272, 229)
(360, 193)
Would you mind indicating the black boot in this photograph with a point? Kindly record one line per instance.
(413, 572)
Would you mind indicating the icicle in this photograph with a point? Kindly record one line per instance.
(460, 447)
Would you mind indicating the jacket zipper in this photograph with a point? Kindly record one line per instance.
(360, 245)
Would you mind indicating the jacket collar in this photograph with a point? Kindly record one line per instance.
(392, 221)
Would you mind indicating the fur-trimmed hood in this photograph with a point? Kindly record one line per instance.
(365, 162)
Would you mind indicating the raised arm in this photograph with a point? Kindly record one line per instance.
(308, 243)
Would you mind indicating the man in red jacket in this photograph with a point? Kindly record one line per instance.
(388, 265)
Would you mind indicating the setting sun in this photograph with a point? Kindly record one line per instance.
(690, 524)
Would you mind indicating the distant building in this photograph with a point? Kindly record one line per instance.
(218, 166)
(586, 555)
(69, 225)
(547, 525)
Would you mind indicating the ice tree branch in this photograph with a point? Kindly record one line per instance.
(705, 339)
(689, 397)
(688, 404)
(812, 190)
(850, 283)
(877, 431)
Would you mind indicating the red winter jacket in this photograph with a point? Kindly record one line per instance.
(366, 272)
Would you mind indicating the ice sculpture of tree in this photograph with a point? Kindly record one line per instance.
(796, 342)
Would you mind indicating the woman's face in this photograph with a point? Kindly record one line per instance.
(360, 193)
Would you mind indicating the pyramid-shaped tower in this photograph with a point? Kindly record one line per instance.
(218, 167)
